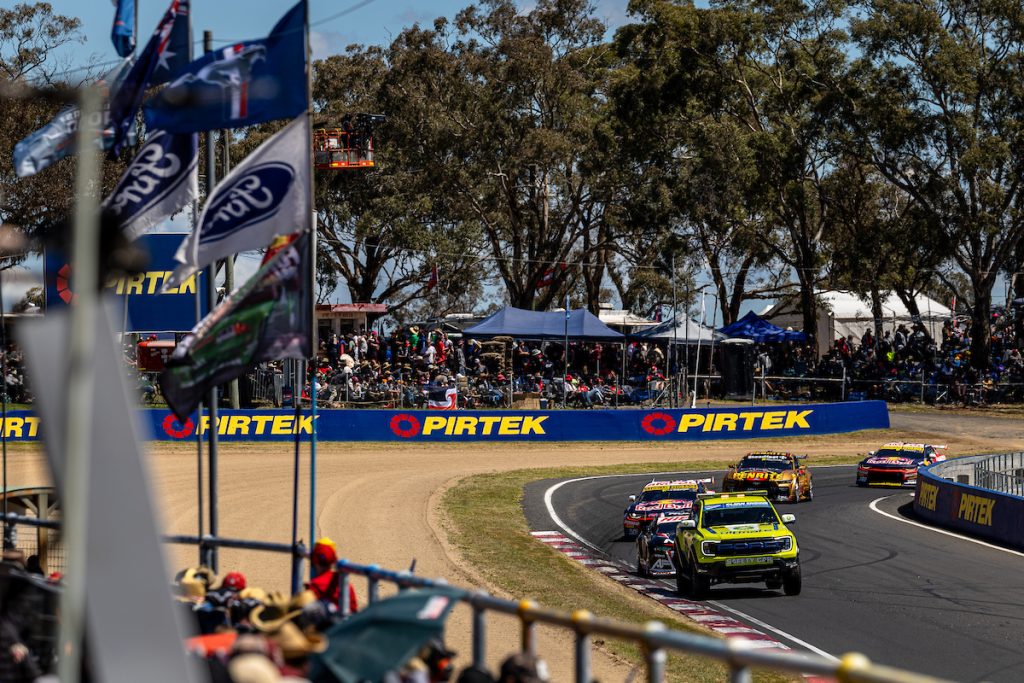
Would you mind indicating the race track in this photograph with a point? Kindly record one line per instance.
(903, 595)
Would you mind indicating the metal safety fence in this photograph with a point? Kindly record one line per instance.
(740, 656)
(1003, 473)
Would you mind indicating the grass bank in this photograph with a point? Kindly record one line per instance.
(484, 520)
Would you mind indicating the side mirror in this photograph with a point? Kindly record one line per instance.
(688, 524)
(788, 519)
(632, 499)
(732, 467)
(871, 453)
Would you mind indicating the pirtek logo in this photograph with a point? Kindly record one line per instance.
(408, 426)
(240, 425)
(976, 509)
(746, 421)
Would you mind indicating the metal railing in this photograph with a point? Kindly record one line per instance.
(740, 656)
(1003, 473)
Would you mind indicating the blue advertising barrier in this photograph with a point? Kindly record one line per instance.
(527, 425)
(148, 309)
(975, 511)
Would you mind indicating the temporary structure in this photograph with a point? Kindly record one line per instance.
(686, 332)
(843, 313)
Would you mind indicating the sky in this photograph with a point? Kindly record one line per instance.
(368, 22)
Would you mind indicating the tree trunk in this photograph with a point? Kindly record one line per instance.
(809, 308)
(876, 311)
(980, 341)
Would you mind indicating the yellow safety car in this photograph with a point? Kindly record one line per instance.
(735, 538)
(783, 476)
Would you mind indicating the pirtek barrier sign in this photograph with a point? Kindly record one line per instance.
(975, 511)
(148, 309)
(498, 425)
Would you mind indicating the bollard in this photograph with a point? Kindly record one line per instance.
(581, 618)
(656, 656)
(479, 637)
(371, 585)
(529, 635)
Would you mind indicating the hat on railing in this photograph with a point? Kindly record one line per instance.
(278, 610)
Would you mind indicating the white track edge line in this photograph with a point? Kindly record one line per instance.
(874, 506)
(565, 527)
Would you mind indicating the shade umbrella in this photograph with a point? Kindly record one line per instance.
(384, 636)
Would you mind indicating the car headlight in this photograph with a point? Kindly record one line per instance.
(709, 548)
(634, 515)
(787, 543)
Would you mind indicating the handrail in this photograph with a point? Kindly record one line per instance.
(736, 653)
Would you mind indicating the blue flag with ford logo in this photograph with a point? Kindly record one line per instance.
(123, 32)
(264, 197)
(240, 85)
(160, 181)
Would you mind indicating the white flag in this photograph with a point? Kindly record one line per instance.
(265, 196)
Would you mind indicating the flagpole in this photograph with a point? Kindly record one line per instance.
(229, 262)
(199, 317)
(211, 299)
(313, 343)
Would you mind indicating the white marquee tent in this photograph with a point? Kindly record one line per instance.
(843, 313)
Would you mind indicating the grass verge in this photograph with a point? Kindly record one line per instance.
(484, 520)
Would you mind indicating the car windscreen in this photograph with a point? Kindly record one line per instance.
(667, 528)
(893, 453)
(775, 463)
(681, 494)
(739, 513)
(649, 496)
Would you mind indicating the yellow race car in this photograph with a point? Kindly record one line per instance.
(783, 475)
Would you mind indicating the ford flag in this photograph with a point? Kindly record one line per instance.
(123, 32)
(161, 180)
(265, 196)
(124, 104)
(239, 85)
(269, 317)
(56, 140)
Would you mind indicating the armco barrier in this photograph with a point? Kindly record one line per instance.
(946, 497)
(494, 425)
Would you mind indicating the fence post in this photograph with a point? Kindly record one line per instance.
(738, 673)
(371, 585)
(479, 636)
(581, 618)
(344, 604)
(529, 632)
(655, 656)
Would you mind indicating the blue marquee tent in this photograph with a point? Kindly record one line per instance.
(754, 327)
(522, 324)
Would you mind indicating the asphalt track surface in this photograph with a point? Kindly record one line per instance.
(903, 595)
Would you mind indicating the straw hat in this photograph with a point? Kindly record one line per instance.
(192, 583)
(253, 668)
(278, 610)
(295, 644)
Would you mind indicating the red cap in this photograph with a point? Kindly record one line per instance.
(234, 580)
(324, 552)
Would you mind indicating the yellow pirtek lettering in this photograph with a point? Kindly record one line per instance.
(282, 424)
(976, 509)
(509, 426)
(244, 425)
(745, 421)
(488, 424)
(533, 425)
(928, 496)
(150, 283)
(433, 423)
(13, 427)
(238, 424)
(261, 422)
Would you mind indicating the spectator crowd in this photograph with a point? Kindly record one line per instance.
(905, 364)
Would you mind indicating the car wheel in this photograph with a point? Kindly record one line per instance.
(640, 568)
(792, 582)
(810, 491)
(682, 584)
(699, 585)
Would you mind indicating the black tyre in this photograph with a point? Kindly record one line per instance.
(792, 582)
(682, 583)
(641, 570)
(699, 585)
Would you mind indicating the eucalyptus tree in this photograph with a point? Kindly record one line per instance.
(936, 106)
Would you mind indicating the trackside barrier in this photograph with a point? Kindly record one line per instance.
(953, 494)
(653, 637)
(662, 424)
